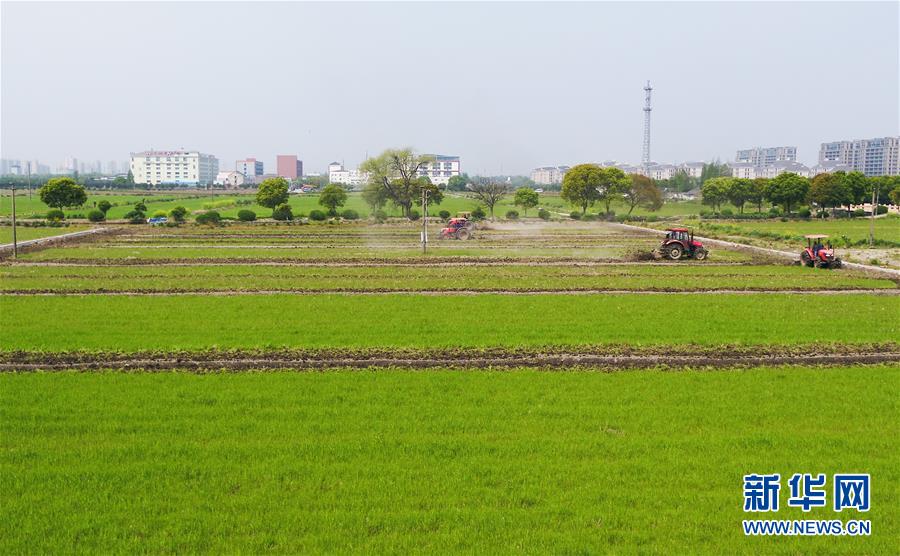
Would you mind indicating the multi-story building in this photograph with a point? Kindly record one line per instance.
(287, 166)
(548, 175)
(353, 178)
(250, 168)
(753, 171)
(873, 157)
(665, 171)
(174, 167)
(762, 156)
(440, 169)
(230, 180)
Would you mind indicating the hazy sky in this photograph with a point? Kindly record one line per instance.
(506, 86)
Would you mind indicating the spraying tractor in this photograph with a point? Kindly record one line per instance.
(679, 244)
(819, 255)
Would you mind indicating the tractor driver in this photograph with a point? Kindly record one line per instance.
(817, 247)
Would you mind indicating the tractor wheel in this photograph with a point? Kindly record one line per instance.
(674, 253)
(470, 226)
(463, 234)
(836, 263)
(804, 258)
(701, 254)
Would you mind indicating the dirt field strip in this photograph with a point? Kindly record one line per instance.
(6, 250)
(212, 361)
(888, 272)
(446, 292)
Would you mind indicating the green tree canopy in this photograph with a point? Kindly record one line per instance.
(580, 186)
(740, 192)
(526, 198)
(395, 174)
(458, 183)
(642, 191)
(272, 192)
(787, 189)
(857, 185)
(715, 191)
(62, 192)
(758, 192)
(830, 190)
(332, 197)
(714, 169)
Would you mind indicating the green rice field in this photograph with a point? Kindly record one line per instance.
(435, 462)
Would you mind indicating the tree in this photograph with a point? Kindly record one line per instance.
(62, 192)
(642, 192)
(104, 206)
(375, 196)
(526, 198)
(857, 186)
(714, 169)
(458, 183)
(178, 213)
(272, 192)
(489, 192)
(580, 185)
(715, 191)
(787, 189)
(740, 191)
(829, 190)
(758, 192)
(332, 197)
(130, 178)
(613, 183)
(395, 172)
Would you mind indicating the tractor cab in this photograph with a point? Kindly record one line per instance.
(680, 243)
(819, 252)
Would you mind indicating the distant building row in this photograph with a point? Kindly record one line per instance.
(439, 171)
(193, 168)
(873, 157)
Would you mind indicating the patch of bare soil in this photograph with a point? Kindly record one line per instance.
(605, 357)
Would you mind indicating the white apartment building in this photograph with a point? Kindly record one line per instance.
(548, 175)
(873, 157)
(763, 156)
(752, 171)
(666, 171)
(441, 169)
(174, 167)
(352, 178)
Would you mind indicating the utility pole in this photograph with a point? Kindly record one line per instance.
(424, 221)
(872, 219)
(15, 243)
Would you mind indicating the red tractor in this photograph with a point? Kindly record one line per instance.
(458, 228)
(680, 244)
(818, 255)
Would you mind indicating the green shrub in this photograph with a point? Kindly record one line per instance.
(159, 214)
(727, 212)
(246, 215)
(283, 212)
(103, 206)
(96, 215)
(775, 211)
(209, 217)
(379, 215)
(804, 213)
(588, 217)
(135, 217)
(140, 207)
(859, 212)
(178, 214)
(478, 214)
(544, 214)
(414, 215)
(444, 214)
(575, 215)
(317, 215)
(882, 209)
(56, 215)
(350, 214)
(512, 215)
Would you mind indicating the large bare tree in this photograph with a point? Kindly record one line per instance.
(489, 192)
(394, 175)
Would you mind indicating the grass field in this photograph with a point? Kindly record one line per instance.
(580, 456)
(854, 229)
(512, 277)
(435, 462)
(420, 321)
